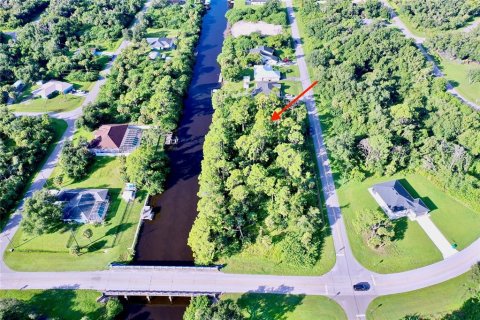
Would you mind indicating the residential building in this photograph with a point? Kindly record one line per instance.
(116, 139)
(255, 2)
(161, 43)
(266, 73)
(84, 205)
(153, 55)
(266, 53)
(396, 202)
(18, 85)
(128, 193)
(47, 89)
(267, 88)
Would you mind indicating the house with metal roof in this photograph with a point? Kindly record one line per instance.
(47, 89)
(84, 205)
(115, 139)
(265, 73)
(161, 43)
(266, 53)
(396, 202)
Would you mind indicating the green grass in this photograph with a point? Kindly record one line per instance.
(291, 87)
(413, 250)
(161, 32)
(60, 103)
(456, 73)
(289, 71)
(430, 303)
(110, 242)
(286, 307)
(82, 132)
(239, 4)
(60, 304)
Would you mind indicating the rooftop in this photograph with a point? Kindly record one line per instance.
(84, 205)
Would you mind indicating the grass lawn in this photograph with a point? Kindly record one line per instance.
(110, 242)
(289, 71)
(291, 87)
(239, 4)
(82, 132)
(161, 32)
(60, 103)
(430, 303)
(286, 307)
(456, 73)
(412, 248)
(60, 304)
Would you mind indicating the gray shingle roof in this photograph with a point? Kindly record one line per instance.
(89, 203)
(398, 199)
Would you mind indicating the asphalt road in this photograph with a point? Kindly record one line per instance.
(336, 284)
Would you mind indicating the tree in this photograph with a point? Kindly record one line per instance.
(201, 308)
(377, 228)
(14, 309)
(41, 213)
(75, 250)
(75, 159)
(113, 308)
(88, 233)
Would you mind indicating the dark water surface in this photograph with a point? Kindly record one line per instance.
(159, 308)
(163, 241)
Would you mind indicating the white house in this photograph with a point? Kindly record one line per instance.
(52, 86)
(153, 55)
(161, 43)
(266, 73)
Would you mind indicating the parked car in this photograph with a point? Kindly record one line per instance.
(361, 286)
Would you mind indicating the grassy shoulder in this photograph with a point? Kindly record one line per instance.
(457, 74)
(75, 304)
(110, 241)
(286, 307)
(428, 303)
(60, 103)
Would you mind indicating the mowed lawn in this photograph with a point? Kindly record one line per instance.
(110, 241)
(429, 303)
(60, 304)
(60, 103)
(413, 249)
(286, 307)
(457, 74)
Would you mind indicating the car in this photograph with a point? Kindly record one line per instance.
(361, 286)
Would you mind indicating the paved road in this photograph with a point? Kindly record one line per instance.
(397, 22)
(336, 284)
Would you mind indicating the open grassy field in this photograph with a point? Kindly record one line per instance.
(60, 103)
(412, 248)
(110, 241)
(60, 304)
(429, 303)
(239, 4)
(457, 74)
(286, 307)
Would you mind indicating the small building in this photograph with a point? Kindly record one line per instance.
(267, 88)
(84, 205)
(246, 82)
(47, 89)
(128, 193)
(396, 202)
(18, 85)
(153, 55)
(255, 2)
(266, 53)
(115, 139)
(161, 43)
(266, 73)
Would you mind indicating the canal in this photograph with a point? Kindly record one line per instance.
(163, 241)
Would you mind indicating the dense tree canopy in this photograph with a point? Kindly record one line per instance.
(458, 44)
(41, 213)
(439, 14)
(15, 13)
(23, 144)
(271, 12)
(257, 182)
(75, 159)
(384, 109)
(201, 308)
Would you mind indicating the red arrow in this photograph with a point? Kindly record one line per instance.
(276, 115)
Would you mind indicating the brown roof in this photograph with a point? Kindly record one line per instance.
(110, 136)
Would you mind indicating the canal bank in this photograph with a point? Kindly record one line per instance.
(163, 241)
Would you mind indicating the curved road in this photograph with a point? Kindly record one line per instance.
(336, 284)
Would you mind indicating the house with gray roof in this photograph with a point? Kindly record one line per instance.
(267, 88)
(266, 53)
(161, 43)
(396, 202)
(84, 205)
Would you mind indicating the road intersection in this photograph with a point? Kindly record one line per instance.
(336, 284)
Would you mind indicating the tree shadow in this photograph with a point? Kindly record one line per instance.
(46, 304)
(117, 229)
(428, 202)
(400, 226)
(268, 305)
(97, 245)
(470, 310)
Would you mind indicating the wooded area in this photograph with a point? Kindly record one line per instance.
(383, 110)
(15, 13)
(271, 12)
(24, 142)
(458, 44)
(439, 14)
